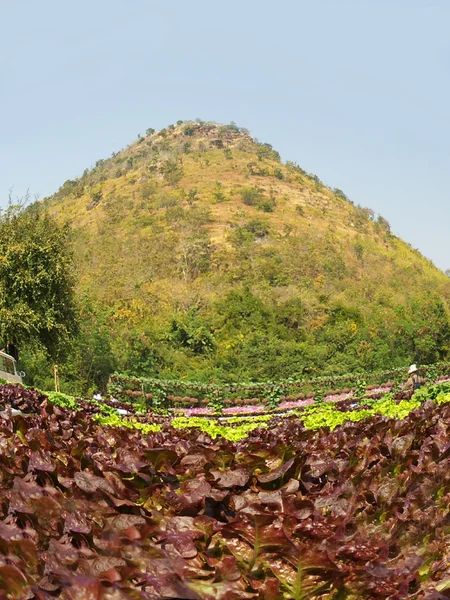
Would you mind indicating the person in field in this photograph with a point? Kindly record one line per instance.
(415, 381)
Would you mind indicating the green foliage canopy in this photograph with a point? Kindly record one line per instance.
(37, 279)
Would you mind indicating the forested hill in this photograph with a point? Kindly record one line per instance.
(201, 254)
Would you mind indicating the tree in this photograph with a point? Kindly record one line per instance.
(384, 223)
(172, 171)
(90, 361)
(36, 281)
(195, 256)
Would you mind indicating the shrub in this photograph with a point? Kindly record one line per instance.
(192, 196)
(340, 194)
(266, 151)
(251, 196)
(172, 171)
(96, 197)
(294, 168)
(359, 250)
(167, 201)
(218, 194)
(315, 179)
(259, 228)
(239, 236)
(267, 205)
(257, 169)
(148, 189)
(174, 214)
(384, 223)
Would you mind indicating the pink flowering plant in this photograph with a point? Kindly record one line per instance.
(197, 412)
(338, 397)
(296, 403)
(243, 410)
(382, 389)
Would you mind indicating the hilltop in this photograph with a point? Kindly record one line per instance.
(207, 257)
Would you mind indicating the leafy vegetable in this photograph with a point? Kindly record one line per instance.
(331, 503)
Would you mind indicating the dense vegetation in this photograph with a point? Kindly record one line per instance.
(37, 280)
(298, 509)
(201, 255)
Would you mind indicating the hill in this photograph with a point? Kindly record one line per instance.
(202, 255)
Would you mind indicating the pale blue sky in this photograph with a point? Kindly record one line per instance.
(356, 91)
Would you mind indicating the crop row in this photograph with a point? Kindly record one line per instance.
(269, 397)
(355, 509)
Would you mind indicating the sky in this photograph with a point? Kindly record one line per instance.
(355, 91)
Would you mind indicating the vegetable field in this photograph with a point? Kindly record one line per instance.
(333, 501)
(240, 398)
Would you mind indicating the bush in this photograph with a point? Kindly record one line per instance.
(267, 205)
(294, 168)
(240, 236)
(148, 189)
(218, 193)
(384, 224)
(259, 228)
(359, 250)
(315, 179)
(172, 171)
(340, 194)
(96, 196)
(251, 196)
(192, 196)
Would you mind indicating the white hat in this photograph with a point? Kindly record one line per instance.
(412, 369)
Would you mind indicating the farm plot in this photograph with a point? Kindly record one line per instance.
(348, 510)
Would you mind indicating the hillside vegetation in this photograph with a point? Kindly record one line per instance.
(202, 255)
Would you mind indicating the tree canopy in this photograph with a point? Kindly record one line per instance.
(37, 278)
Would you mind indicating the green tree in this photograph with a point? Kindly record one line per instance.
(172, 171)
(190, 331)
(37, 278)
(91, 360)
